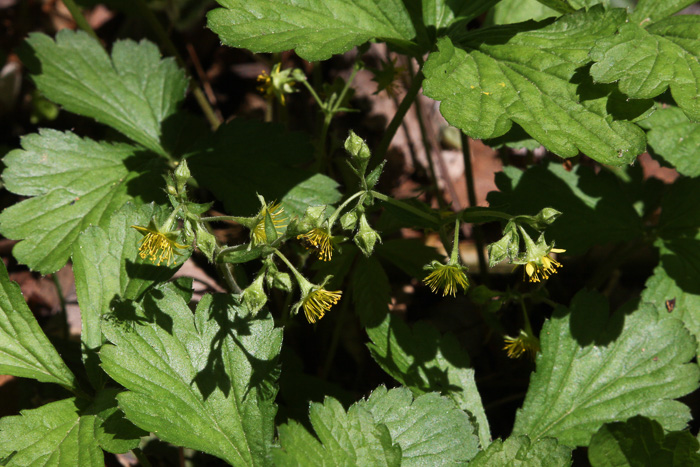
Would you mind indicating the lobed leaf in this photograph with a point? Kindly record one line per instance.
(71, 191)
(419, 358)
(646, 62)
(519, 451)
(315, 29)
(67, 432)
(534, 75)
(107, 271)
(675, 138)
(205, 382)
(389, 428)
(25, 350)
(133, 91)
(640, 441)
(596, 369)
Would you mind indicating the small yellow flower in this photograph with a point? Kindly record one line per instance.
(320, 240)
(446, 277)
(276, 211)
(318, 302)
(524, 343)
(158, 246)
(544, 266)
(276, 84)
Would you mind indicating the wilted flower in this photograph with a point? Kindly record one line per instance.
(320, 240)
(447, 277)
(157, 245)
(317, 302)
(524, 343)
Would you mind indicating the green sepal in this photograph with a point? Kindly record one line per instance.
(254, 296)
(373, 177)
(206, 242)
(313, 217)
(366, 237)
(348, 221)
(243, 253)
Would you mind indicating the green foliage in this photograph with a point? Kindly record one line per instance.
(204, 381)
(390, 428)
(645, 62)
(134, 91)
(264, 160)
(640, 441)
(67, 432)
(70, 192)
(108, 271)
(24, 348)
(315, 29)
(519, 451)
(586, 78)
(675, 138)
(533, 74)
(587, 201)
(596, 369)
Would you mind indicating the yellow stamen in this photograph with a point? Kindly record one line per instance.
(542, 268)
(318, 302)
(446, 277)
(277, 215)
(320, 240)
(156, 246)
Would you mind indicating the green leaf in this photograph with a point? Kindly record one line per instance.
(75, 182)
(389, 428)
(54, 434)
(675, 139)
(114, 433)
(519, 451)
(533, 74)
(315, 29)
(107, 270)
(646, 62)
(640, 441)
(134, 91)
(595, 208)
(247, 158)
(409, 255)
(441, 15)
(562, 6)
(420, 359)
(596, 369)
(653, 10)
(205, 382)
(515, 11)
(674, 288)
(24, 348)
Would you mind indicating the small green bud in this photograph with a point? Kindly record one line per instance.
(349, 220)
(171, 190)
(357, 147)
(254, 296)
(206, 242)
(506, 247)
(545, 217)
(182, 175)
(366, 237)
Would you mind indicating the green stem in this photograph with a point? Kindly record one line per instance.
(405, 206)
(62, 301)
(143, 460)
(304, 284)
(80, 19)
(170, 48)
(336, 213)
(479, 213)
(526, 319)
(454, 257)
(471, 195)
(383, 147)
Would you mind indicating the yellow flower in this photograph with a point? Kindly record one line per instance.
(524, 343)
(446, 277)
(318, 302)
(320, 240)
(544, 266)
(276, 84)
(156, 245)
(276, 211)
